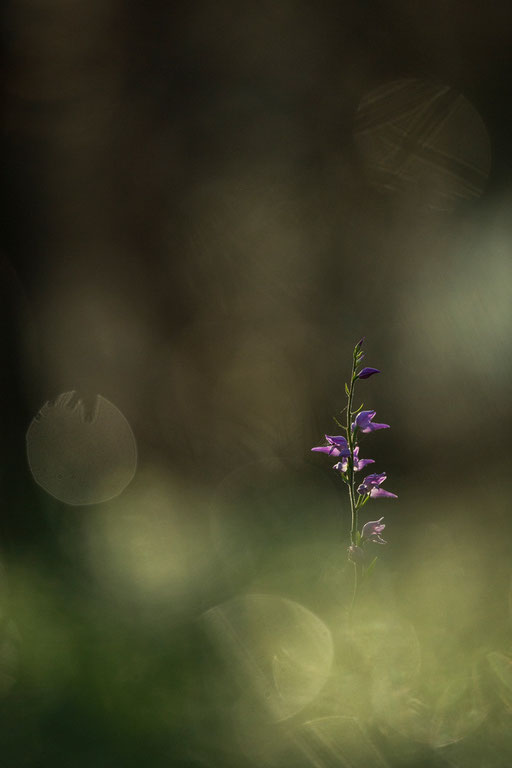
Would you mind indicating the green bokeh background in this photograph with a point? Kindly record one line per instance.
(191, 232)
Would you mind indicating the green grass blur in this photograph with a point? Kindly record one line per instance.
(156, 635)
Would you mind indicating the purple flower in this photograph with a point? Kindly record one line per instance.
(337, 446)
(342, 465)
(365, 424)
(367, 372)
(356, 554)
(371, 484)
(372, 531)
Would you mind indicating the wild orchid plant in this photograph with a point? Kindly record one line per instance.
(346, 450)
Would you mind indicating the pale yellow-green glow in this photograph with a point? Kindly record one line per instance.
(291, 679)
(150, 543)
(278, 653)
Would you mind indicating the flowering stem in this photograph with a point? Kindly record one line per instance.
(346, 449)
(350, 440)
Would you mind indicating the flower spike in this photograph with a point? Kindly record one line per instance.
(345, 450)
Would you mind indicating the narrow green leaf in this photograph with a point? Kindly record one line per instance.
(370, 568)
(347, 390)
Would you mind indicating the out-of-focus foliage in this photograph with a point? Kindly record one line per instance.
(205, 207)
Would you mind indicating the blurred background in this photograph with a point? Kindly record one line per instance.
(205, 206)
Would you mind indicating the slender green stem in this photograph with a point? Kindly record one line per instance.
(354, 593)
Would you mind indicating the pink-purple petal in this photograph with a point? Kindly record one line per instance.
(362, 463)
(380, 493)
(373, 526)
(371, 531)
(337, 440)
(363, 419)
(376, 478)
(364, 423)
(331, 450)
(373, 427)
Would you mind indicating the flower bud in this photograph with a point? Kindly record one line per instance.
(367, 372)
(356, 554)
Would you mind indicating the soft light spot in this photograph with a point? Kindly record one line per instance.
(423, 140)
(278, 652)
(79, 454)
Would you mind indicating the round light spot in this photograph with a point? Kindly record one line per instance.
(278, 653)
(425, 141)
(79, 454)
